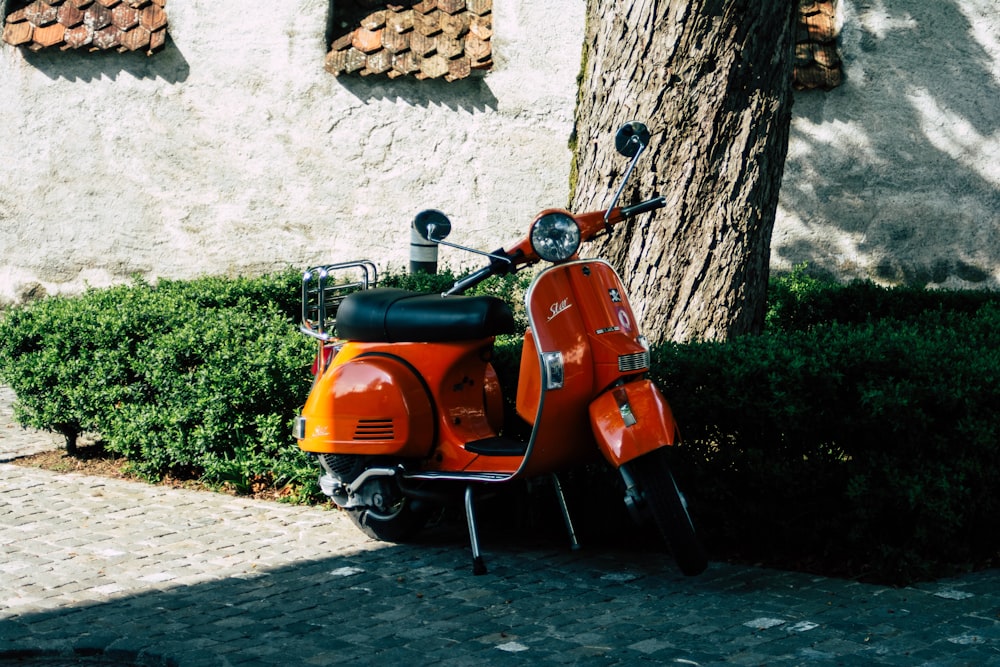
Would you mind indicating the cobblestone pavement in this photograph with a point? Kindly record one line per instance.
(105, 571)
(16, 441)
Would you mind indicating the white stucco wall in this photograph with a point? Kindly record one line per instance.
(233, 151)
(895, 175)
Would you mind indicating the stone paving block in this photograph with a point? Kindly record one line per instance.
(203, 579)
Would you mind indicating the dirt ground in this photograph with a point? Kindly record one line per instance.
(94, 459)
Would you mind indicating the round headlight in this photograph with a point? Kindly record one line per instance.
(555, 236)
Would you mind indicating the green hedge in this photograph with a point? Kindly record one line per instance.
(185, 377)
(856, 435)
(865, 443)
(798, 301)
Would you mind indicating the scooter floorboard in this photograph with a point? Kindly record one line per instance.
(497, 446)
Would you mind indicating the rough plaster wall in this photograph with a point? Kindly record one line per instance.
(895, 175)
(234, 152)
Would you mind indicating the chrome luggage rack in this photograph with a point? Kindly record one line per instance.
(324, 287)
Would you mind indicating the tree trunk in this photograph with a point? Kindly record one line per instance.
(712, 79)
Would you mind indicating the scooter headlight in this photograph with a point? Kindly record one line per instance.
(555, 236)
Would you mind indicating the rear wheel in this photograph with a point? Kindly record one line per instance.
(379, 508)
(398, 523)
(665, 502)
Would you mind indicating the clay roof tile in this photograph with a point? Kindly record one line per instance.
(18, 34)
(429, 39)
(100, 24)
(817, 57)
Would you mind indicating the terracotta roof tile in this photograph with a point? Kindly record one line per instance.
(69, 15)
(153, 18)
(379, 62)
(427, 24)
(422, 45)
(157, 39)
(97, 17)
(49, 35)
(107, 38)
(374, 21)
(448, 46)
(400, 21)
(429, 39)
(394, 42)
(79, 36)
(126, 25)
(18, 34)
(124, 17)
(404, 63)
(817, 58)
(451, 6)
(367, 41)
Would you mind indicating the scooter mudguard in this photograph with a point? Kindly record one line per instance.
(631, 420)
(374, 405)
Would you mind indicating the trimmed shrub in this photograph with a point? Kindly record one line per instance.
(857, 435)
(870, 447)
(69, 358)
(798, 301)
(195, 377)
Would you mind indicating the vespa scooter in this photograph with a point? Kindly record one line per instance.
(406, 407)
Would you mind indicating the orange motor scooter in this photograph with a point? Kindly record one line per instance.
(406, 406)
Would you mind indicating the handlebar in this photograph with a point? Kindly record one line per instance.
(470, 281)
(521, 253)
(644, 207)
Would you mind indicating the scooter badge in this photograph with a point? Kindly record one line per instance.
(558, 307)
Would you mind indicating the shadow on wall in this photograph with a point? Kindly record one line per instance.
(469, 95)
(466, 91)
(168, 64)
(894, 176)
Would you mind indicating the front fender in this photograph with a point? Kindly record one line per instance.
(631, 420)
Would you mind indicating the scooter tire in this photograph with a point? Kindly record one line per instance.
(400, 525)
(665, 502)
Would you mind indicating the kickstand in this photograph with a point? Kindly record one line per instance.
(574, 544)
(478, 566)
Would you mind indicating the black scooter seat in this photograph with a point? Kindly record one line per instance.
(389, 315)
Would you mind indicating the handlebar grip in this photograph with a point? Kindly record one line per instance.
(470, 280)
(643, 207)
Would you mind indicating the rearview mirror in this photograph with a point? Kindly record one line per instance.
(631, 138)
(432, 225)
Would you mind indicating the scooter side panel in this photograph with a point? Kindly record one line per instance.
(493, 399)
(652, 422)
(562, 429)
(529, 381)
(371, 405)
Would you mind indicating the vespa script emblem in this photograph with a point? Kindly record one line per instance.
(558, 307)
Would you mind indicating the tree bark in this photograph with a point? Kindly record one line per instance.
(712, 80)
